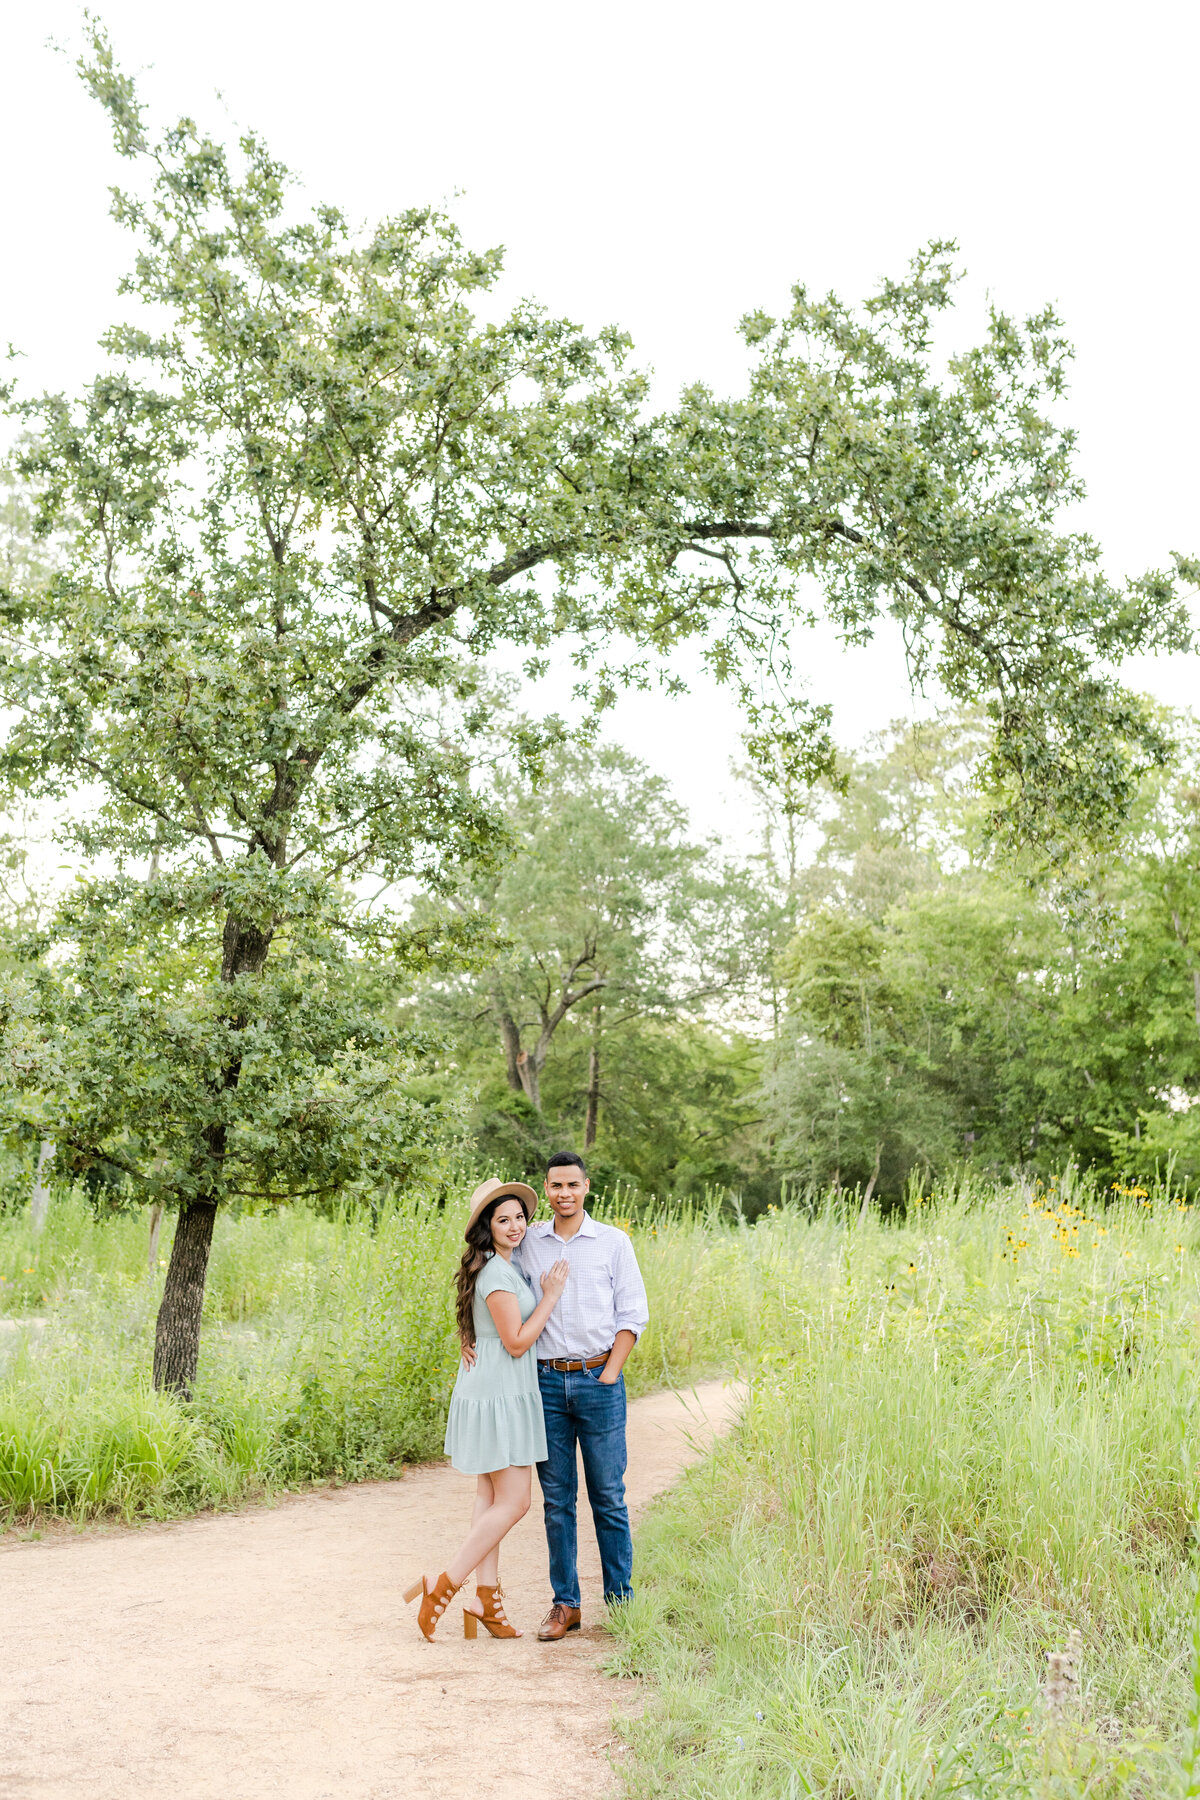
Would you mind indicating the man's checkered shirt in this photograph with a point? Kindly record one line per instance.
(604, 1294)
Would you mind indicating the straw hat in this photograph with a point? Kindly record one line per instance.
(487, 1191)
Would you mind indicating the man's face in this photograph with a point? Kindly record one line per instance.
(566, 1190)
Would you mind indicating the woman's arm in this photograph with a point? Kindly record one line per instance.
(506, 1313)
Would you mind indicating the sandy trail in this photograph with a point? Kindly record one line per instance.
(267, 1652)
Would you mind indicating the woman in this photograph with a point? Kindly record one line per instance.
(495, 1430)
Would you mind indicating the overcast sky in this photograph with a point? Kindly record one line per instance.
(669, 167)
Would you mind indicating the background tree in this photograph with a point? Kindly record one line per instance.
(941, 1008)
(310, 491)
(615, 929)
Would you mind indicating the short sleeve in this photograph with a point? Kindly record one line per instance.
(496, 1277)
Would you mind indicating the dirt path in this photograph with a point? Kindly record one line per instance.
(267, 1652)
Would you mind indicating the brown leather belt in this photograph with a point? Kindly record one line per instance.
(566, 1367)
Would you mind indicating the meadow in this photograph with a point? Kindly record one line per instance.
(328, 1351)
(968, 1435)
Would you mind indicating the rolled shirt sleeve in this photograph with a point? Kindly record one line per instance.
(631, 1309)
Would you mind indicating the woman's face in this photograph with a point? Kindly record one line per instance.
(508, 1225)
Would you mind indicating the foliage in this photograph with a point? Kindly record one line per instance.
(964, 1437)
(680, 1116)
(619, 938)
(942, 1008)
(310, 491)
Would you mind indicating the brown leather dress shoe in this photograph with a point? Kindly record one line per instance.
(557, 1622)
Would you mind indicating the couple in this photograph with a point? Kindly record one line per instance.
(567, 1296)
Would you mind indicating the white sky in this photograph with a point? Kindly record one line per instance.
(669, 167)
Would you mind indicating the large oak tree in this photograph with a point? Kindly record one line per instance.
(311, 490)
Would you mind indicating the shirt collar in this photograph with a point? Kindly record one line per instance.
(545, 1227)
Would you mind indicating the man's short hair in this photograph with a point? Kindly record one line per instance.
(566, 1159)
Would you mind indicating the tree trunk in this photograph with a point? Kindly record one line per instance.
(244, 948)
(156, 1219)
(510, 1038)
(593, 1096)
(39, 1200)
(870, 1188)
(177, 1338)
(530, 1075)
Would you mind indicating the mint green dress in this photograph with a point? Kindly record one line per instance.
(495, 1417)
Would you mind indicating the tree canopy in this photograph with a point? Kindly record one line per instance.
(312, 489)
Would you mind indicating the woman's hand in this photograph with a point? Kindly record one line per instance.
(555, 1279)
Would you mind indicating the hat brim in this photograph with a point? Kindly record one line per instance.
(487, 1191)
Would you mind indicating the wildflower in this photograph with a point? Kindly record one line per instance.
(1062, 1677)
(1127, 1254)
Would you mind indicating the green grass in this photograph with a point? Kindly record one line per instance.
(328, 1351)
(966, 1434)
(948, 1460)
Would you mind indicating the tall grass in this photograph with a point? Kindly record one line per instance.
(966, 1435)
(328, 1350)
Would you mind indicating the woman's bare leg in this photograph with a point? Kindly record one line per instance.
(486, 1572)
(491, 1524)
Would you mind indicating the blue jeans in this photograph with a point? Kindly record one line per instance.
(580, 1409)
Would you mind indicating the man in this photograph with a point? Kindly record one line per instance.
(581, 1354)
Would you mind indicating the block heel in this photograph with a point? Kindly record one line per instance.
(434, 1601)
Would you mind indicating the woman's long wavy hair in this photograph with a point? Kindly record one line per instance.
(479, 1250)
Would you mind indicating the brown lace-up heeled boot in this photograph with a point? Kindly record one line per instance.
(493, 1615)
(434, 1601)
